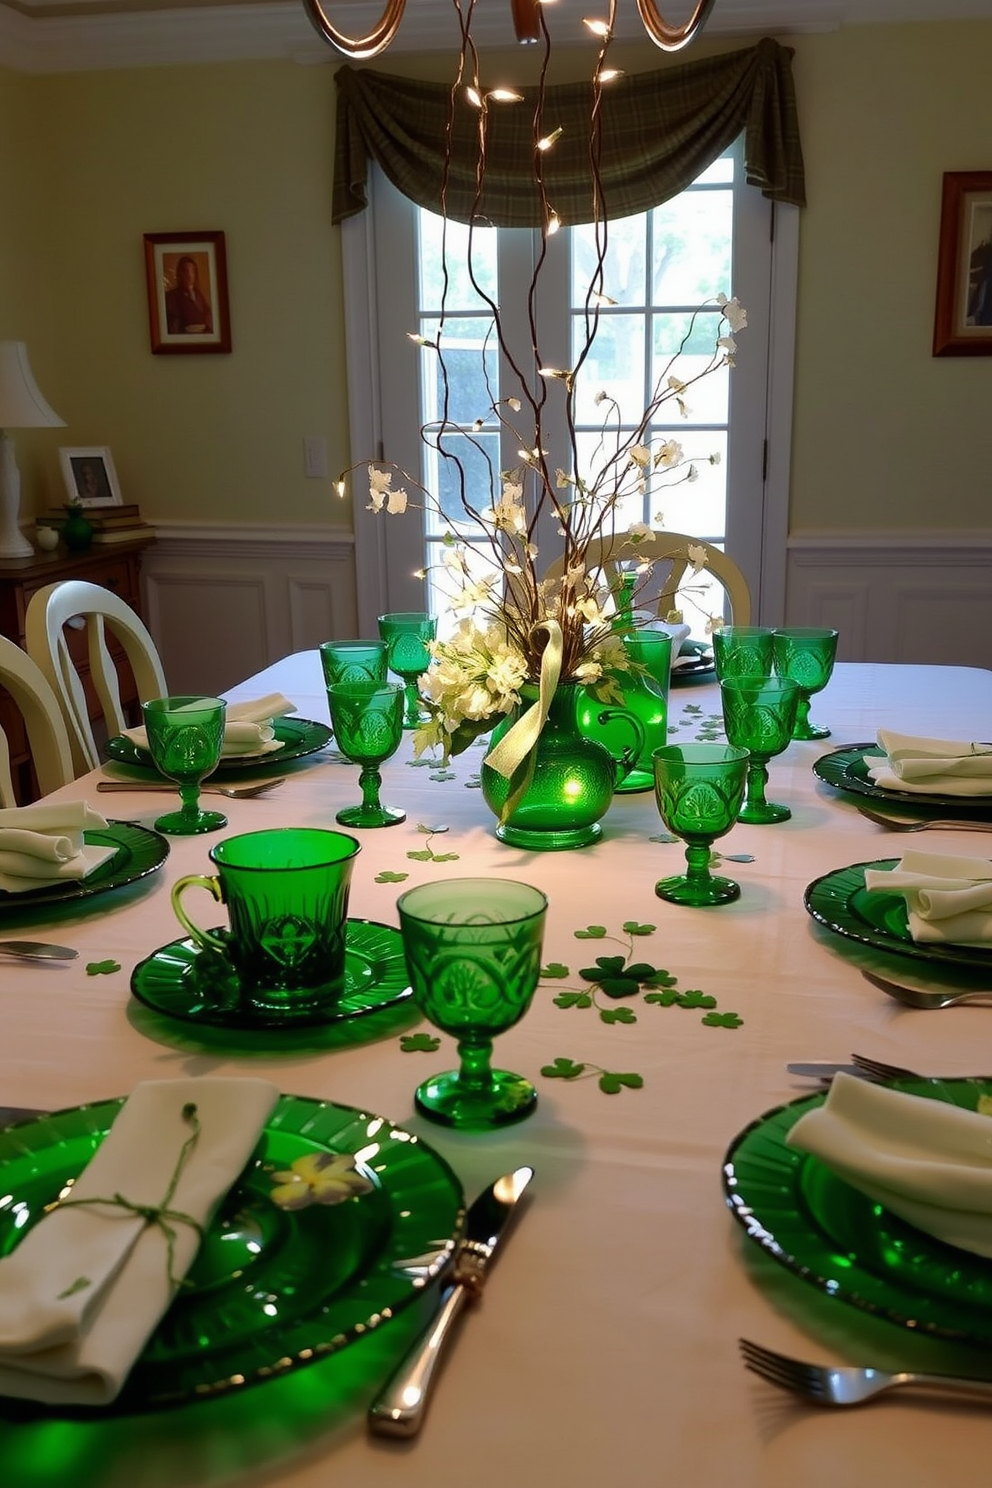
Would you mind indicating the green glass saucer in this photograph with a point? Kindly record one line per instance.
(198, 986)
(813, 1223)
(271, 1290)
(299, 737)
(139, 851)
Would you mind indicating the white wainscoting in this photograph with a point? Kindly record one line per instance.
(914, 596)
(225, 600)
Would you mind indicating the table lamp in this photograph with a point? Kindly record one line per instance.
(21, 407)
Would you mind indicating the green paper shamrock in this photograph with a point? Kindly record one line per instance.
(632, 927)
(102, 968)
(617, 1015)
(591, 932)
(554, 971)
(419, 1043)
(696, 999)
(612, 976)
(388, 876)
(441, 775)
(572, 999)
(421, 855)
(663, 999)
(562, 1069)
(722, 1020)
(611, 1083)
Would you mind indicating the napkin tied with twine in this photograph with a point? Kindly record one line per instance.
(44, 843)
(925, 1160)
(88, 1283)
(948, 898)
(949, 767)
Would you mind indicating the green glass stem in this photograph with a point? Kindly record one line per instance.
(757, 779)
(411, 690)
(370, 781)
(475, 1075)
(803, 728)
(697, 857)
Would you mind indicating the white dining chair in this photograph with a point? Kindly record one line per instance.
(38, 706)
(49, 611)
(669, 553)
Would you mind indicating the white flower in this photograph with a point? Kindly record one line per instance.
(601, 397)
(733, 311)
(513, 403)
(381, 492)
(693, 474)
(640, 455)
(669, 454)
(697, 556)
(676, 385)
(637, 532)
(396, 501)
(727, 344)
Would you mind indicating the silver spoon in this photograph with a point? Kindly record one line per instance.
(912, 824)
(236, 792)
(917, 998)
(37, 950)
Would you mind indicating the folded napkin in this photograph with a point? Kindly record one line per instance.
(948, 898)
(947, 767)
(925, 1160)
(247, 729)
(43, 843)
(87, 1285)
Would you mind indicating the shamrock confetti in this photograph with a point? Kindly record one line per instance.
(553, 972)
(102, 968)
(419, 1043)
(387, 876)
(610, 1082)
(722, 1020)
(591, 932)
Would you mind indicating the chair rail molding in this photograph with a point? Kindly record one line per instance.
(224, 600)
(913, 596)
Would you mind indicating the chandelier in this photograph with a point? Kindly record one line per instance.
(526, 24)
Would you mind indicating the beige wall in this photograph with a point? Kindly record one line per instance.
(885, 435)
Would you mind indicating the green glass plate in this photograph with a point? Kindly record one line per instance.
(847, 769)
(840, 901)
(835, 1238)
(139, 851)
(183, 981)
(271, 1290)
(695, 659)
(300, 737)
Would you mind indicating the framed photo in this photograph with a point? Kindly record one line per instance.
(963, 322)
(90, 477)
(186, 279)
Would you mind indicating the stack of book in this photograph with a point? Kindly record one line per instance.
(110, 524)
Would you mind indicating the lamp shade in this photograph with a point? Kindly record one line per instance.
(21, 404)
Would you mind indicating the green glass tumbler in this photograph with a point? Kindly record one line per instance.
(473, 953)
(805, 656)
(185, 738)
(699, 789)
(758, 715)
(353, 661)
(367, 718)
(286, 892)
(406, 633)
(742, 651)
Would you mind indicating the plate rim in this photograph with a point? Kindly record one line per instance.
(70, 890)
(963, 805)
(228, 1385)
(270, 1025)
(750, 1220)
(939, 954)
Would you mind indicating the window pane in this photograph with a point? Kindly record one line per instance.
(462, 295)
(706, 401)
(615, 364)
(476, 456)
(470, 361)
(624, 269)
(691, 248)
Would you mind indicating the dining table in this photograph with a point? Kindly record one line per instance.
(604, 1348)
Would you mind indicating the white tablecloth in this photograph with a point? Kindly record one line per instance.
(605, 1347)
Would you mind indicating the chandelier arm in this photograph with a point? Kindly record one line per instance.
(526, 22)
(673, 38)
(358, 47)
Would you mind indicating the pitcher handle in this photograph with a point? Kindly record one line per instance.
(631, 754)
(203, 938)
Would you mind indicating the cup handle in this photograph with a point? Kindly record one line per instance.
(632, 753)
(203, 938)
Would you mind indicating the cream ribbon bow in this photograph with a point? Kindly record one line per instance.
(518, 741)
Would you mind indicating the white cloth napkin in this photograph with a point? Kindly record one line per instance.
(925, 1160)
(946, 767)
(948, 898)
(43, 843)
(87, 1285)
(247, 728)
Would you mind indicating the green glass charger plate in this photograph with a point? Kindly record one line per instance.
(838, 1240)
(183, 981)
(847, 769)
(840, 901)
(300, 737)
(138, 851)
(271, 1290)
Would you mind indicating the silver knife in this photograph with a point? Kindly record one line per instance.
(822, 1071)
(400, 1406)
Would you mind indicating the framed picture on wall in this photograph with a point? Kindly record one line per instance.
(963, 322)
(186, 279)
(90, 477)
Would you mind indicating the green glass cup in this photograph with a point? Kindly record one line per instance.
(286, 892)
(185, 738)
(742, 651)
(353, 661)
(367, 718)
(473, 954)
(406, 633)
(699, 789)
(806, 657)
(758, 715)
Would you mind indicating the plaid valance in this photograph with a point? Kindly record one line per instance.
(660, 130)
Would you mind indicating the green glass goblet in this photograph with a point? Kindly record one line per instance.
(758, 715)
(185, 736)
(473, 953)
(742, 651)
(406, 633)
(807, 658)
(367, 718)
(353, 661)
(699, 789)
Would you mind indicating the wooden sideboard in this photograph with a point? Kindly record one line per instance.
(115, 566)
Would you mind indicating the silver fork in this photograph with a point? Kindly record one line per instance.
(876, 1069)
(825, 1384)
(911, 824)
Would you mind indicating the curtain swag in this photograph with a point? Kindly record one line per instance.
(660, 131)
